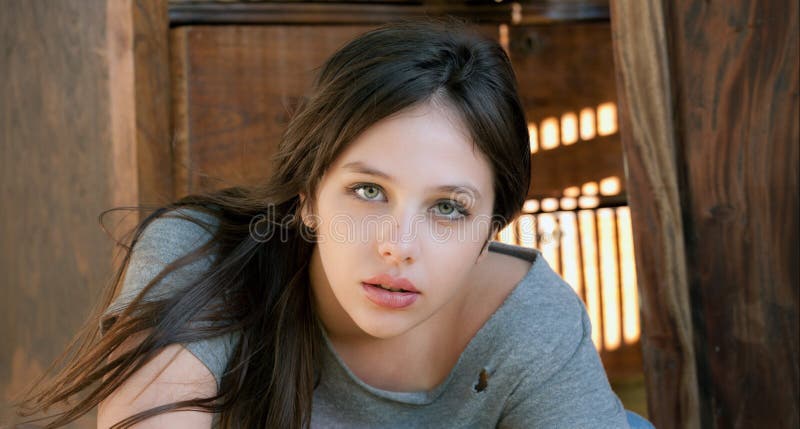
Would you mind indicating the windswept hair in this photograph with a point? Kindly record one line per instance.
(260, 288)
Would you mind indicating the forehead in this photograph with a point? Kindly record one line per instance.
(425, 144)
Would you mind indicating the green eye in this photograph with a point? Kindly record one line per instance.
(448, 208)
(370, 192)
(451, 210)
(366, 191)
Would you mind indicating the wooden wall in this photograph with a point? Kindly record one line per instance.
(234, 90)
(562, 68)
(55, 180)
(74, 143)
(708, 96)
(709, 102)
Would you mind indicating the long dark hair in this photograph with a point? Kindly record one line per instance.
(259, 288)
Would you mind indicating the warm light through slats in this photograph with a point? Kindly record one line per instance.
(550, 204)
(587, 124)
(572, 192)
(548, 242)
(568, 203)
(589, 188)
(503, 36)
(530, 206)
(612, 334)
(630, 295)
(534, 137)
(592, 249)
(586, 223)
(507, 234)
(527, 230)
(586, 202)
(610, 186)
(568, 224)
(569, 128)
(606, 119)
(549, 135)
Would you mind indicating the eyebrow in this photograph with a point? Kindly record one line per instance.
(360, 167)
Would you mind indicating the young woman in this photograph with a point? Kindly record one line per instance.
(359, 287)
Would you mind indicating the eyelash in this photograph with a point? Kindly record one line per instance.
(464, 213)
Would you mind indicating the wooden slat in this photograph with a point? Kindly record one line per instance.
(648, 140)
(180, 112)
(352, 13)
(152, 100)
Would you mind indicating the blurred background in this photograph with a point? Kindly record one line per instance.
(664, 140)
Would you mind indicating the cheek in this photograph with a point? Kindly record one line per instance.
(450, 265)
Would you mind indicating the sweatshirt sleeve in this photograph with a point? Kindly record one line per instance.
(576, 395)
(163, 241)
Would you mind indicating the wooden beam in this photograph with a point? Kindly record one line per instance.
(139, 97)
(649, 142)
(55, 167)
(139, 107)
(152, 101)
(736, 65)
(709, 125)
(352, 13)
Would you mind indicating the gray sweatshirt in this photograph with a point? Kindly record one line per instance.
(531, 365)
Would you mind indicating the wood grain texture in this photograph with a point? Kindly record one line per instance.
(239, 85)
(377, 12)
(648, 140)
(563, 67)
(736, 69)
(139, 99)
(54, 181)
(235, 88)
(733, 93)
(152, 100)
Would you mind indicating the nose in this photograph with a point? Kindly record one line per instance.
(398, 242)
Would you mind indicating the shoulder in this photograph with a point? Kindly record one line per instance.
(553, 371)
(162, 241)
(176, 232)
(545, 319)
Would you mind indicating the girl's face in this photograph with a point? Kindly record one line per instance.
(411, 198)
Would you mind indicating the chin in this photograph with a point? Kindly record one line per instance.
(384, 329)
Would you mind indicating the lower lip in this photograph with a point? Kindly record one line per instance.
(389, 299)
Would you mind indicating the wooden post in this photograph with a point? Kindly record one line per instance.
(85, 104)
(708, 96)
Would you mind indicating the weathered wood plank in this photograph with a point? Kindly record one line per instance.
(377, 12)
(152, 100)
(54, 181)
(239, 85)
(733, 93)
(648, 140)
(736, 68)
